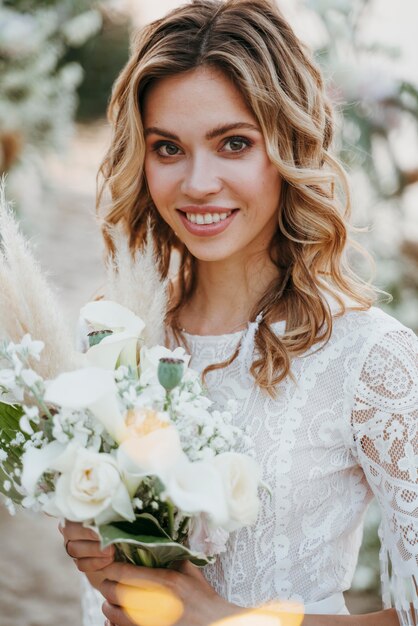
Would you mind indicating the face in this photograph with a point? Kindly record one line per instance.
(207, 167)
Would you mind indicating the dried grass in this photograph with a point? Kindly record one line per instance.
(27, 302)
(134, 281)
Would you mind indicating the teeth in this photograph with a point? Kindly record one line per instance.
(207, 218)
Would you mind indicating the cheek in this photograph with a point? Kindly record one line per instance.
(263, 188)
(163, 186)
(154, 181)
(271, 180)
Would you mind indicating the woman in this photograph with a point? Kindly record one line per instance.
(221, 137)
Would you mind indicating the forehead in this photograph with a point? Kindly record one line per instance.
(205, 96)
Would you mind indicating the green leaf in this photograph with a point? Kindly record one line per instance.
(144, 542)
(144, 524)
(13, 493)
(10, 415)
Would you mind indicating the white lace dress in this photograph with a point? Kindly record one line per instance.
(346, 430)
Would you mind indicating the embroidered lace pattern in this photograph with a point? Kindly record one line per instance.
(344, 431)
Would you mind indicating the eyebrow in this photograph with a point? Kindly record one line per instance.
(211, 134)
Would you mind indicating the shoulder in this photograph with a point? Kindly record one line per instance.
(378, 318)
(373, 329)
(369, 326)
(364, 325)
(364, 342)
(385, 357)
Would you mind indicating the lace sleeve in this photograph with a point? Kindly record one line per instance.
(385, 426)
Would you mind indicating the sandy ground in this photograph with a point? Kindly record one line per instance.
(39, 585)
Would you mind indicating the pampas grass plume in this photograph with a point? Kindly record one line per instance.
(134, 281)
(27, 302)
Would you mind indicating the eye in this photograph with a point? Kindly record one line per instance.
(236, 144)
(166, 149)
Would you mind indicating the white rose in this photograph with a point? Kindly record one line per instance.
(150, 358)
(90, 487)
(241, 477)
(198, 488)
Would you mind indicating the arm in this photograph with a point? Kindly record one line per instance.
(183, 597)
(382, 618)
(384, 421)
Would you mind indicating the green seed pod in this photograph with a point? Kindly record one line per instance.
(96, 336)
(170, 373)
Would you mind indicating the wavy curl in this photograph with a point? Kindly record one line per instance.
(252, 43)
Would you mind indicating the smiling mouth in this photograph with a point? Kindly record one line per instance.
(207, 218)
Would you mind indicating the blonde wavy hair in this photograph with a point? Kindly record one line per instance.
(252, 44)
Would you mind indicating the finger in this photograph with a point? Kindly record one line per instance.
(149, 595)
(89, 549)
(116, 615)
(151, 604)
(135, 575)
(76, 531)
(185, 567)
(108, 589)
(92, 565)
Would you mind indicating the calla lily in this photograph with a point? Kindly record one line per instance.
(90, 388)
(126, 328)
(36, 461)
(154, 454)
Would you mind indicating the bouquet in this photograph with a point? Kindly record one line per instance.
(122, 437)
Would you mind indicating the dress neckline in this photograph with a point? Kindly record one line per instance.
(279, 327)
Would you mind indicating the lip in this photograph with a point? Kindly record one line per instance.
(207, 208)
(206, 230)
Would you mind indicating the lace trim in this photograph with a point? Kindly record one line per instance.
(398, 592)
(247, 349)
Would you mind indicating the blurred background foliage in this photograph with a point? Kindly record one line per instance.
(37, 88)
(59, 58)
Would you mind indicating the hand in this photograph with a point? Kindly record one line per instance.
(141, 596)
(83, 546)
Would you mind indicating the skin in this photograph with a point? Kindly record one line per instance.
(231, 170)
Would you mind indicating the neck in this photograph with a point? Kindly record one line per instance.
(226, 294)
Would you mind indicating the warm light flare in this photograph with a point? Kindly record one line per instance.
(142, 422)
(150, 605)
(273, 614)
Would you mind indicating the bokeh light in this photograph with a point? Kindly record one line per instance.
(150, 605)
(272, 614)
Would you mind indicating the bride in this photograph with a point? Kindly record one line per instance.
(221, 137)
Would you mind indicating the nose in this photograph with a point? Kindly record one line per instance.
(201, 178)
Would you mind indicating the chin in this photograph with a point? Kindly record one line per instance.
(210, 254)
